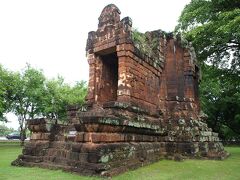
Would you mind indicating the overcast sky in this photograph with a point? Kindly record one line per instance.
(51, 34)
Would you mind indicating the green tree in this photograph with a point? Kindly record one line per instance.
(6, 92)
(27, 96)
(4, 130)
(213, 27)
(59, 96)
(220, 98)
(77, 94)
(55, 102)
(3, 108)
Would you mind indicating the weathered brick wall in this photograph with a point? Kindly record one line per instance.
(180, 78)
(156, 81)
(138, 81)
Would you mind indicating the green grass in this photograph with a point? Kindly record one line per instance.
(10, 151)
(190, 169)
(165, 169)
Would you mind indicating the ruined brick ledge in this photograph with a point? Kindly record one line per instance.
(102, 154)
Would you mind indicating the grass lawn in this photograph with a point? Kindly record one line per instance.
(165, 169)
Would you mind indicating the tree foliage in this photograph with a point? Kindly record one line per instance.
(3, 107)
(4, 130)
(6, 92)
(213, 26)
(59, 95)
(220, 98)
(28, 94)
(28, 88)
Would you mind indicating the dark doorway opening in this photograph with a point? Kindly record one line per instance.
(109, 77)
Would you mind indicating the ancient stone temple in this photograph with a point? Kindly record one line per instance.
(142, 106)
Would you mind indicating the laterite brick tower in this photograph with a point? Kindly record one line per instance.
(142, 105)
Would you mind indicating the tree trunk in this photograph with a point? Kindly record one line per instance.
(22, 136)
(22, 130)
